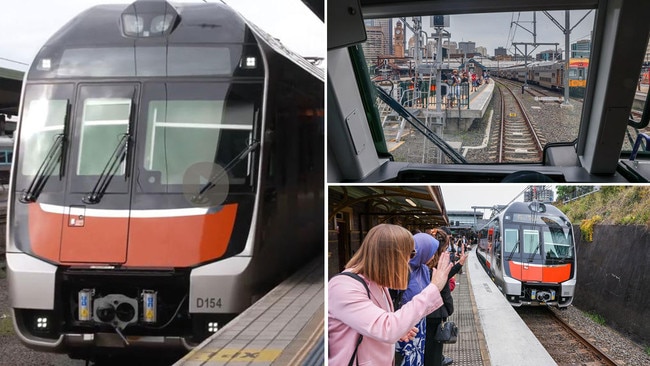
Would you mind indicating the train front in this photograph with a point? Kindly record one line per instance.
(538, 256)
(137, 168)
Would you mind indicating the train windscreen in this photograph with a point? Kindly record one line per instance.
(453, 72)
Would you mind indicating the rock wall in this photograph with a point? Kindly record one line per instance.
(614, 277)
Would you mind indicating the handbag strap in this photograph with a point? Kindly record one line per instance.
(358, 278)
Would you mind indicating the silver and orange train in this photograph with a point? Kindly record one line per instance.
(551, 74)
(168, 173)
(528, 250)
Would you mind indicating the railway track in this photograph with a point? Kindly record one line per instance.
(565, 345)
(518, 142)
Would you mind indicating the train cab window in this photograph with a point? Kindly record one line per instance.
(557, 243)
(195, 123)
(531, 241)
(104, 122)
(401, 57)
(511, 239)
(45, 111)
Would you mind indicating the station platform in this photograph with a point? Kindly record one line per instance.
(285, 327)
(490, 331)
(396, 128)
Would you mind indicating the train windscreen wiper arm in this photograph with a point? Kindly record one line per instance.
(43, 173)
(231, 164)
(452, 154)
(513, 250)
(113, 163)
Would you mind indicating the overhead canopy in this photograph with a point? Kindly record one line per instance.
(11, 82)
(425, 209)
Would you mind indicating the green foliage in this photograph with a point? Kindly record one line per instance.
(616, 205)
(598, 319)
(647, 350)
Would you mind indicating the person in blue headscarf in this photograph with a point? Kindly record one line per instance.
(412, 352)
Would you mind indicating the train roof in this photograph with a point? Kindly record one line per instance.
(533, 207)
(196, 23)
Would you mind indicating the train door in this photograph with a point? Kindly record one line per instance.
(97, 200)
(531, 269)
(511, 251)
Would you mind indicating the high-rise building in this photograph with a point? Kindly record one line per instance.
(452, 47)
(500, 51)
(466, 47)
(375, 46)
(538, 193)
(549, 55)
(482, 50)
(581, 49)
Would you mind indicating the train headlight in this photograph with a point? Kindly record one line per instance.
(213, 327)
(41, 323)
(251, 62)
(148, 19)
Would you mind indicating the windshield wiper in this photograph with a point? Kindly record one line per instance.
(532, 255)
(513, 250)
(199, 197)
(108, 172)
(44, 171)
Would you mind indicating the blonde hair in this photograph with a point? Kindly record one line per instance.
(384, 256)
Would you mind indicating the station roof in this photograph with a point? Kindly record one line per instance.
(11, 82)
(427, 207)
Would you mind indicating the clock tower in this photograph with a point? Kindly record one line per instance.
(399, 40)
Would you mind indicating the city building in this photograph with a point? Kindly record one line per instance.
(501, 51)
(375, 45)
(548, 55)
(482, 50)
(538, 193)
(398, 47)
(467, 47)
(581, 49)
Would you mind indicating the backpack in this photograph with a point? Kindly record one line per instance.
(358, 278)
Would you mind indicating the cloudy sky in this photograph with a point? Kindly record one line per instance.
(27, 24)
(496, 29)
(463, 197)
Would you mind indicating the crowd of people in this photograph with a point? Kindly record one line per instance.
(455, 79)
(392, 297)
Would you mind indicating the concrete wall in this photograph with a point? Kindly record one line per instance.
(614, 277)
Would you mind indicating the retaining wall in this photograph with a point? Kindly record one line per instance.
(614, 277)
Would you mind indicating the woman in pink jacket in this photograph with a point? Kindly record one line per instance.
(383, 262)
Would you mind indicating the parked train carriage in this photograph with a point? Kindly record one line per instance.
(167, 176)
(529, 251)
(578, 68)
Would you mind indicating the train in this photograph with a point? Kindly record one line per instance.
(169, 172)
(528, 250)
(550, 74)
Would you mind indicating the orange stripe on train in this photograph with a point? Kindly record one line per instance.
(539, 273)
(179, 241)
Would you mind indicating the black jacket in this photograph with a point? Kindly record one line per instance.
(448, 301)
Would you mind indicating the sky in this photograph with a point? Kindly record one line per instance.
(463, 197)
(494, 30)
(27, 24)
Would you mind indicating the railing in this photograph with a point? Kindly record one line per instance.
(424, 95)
